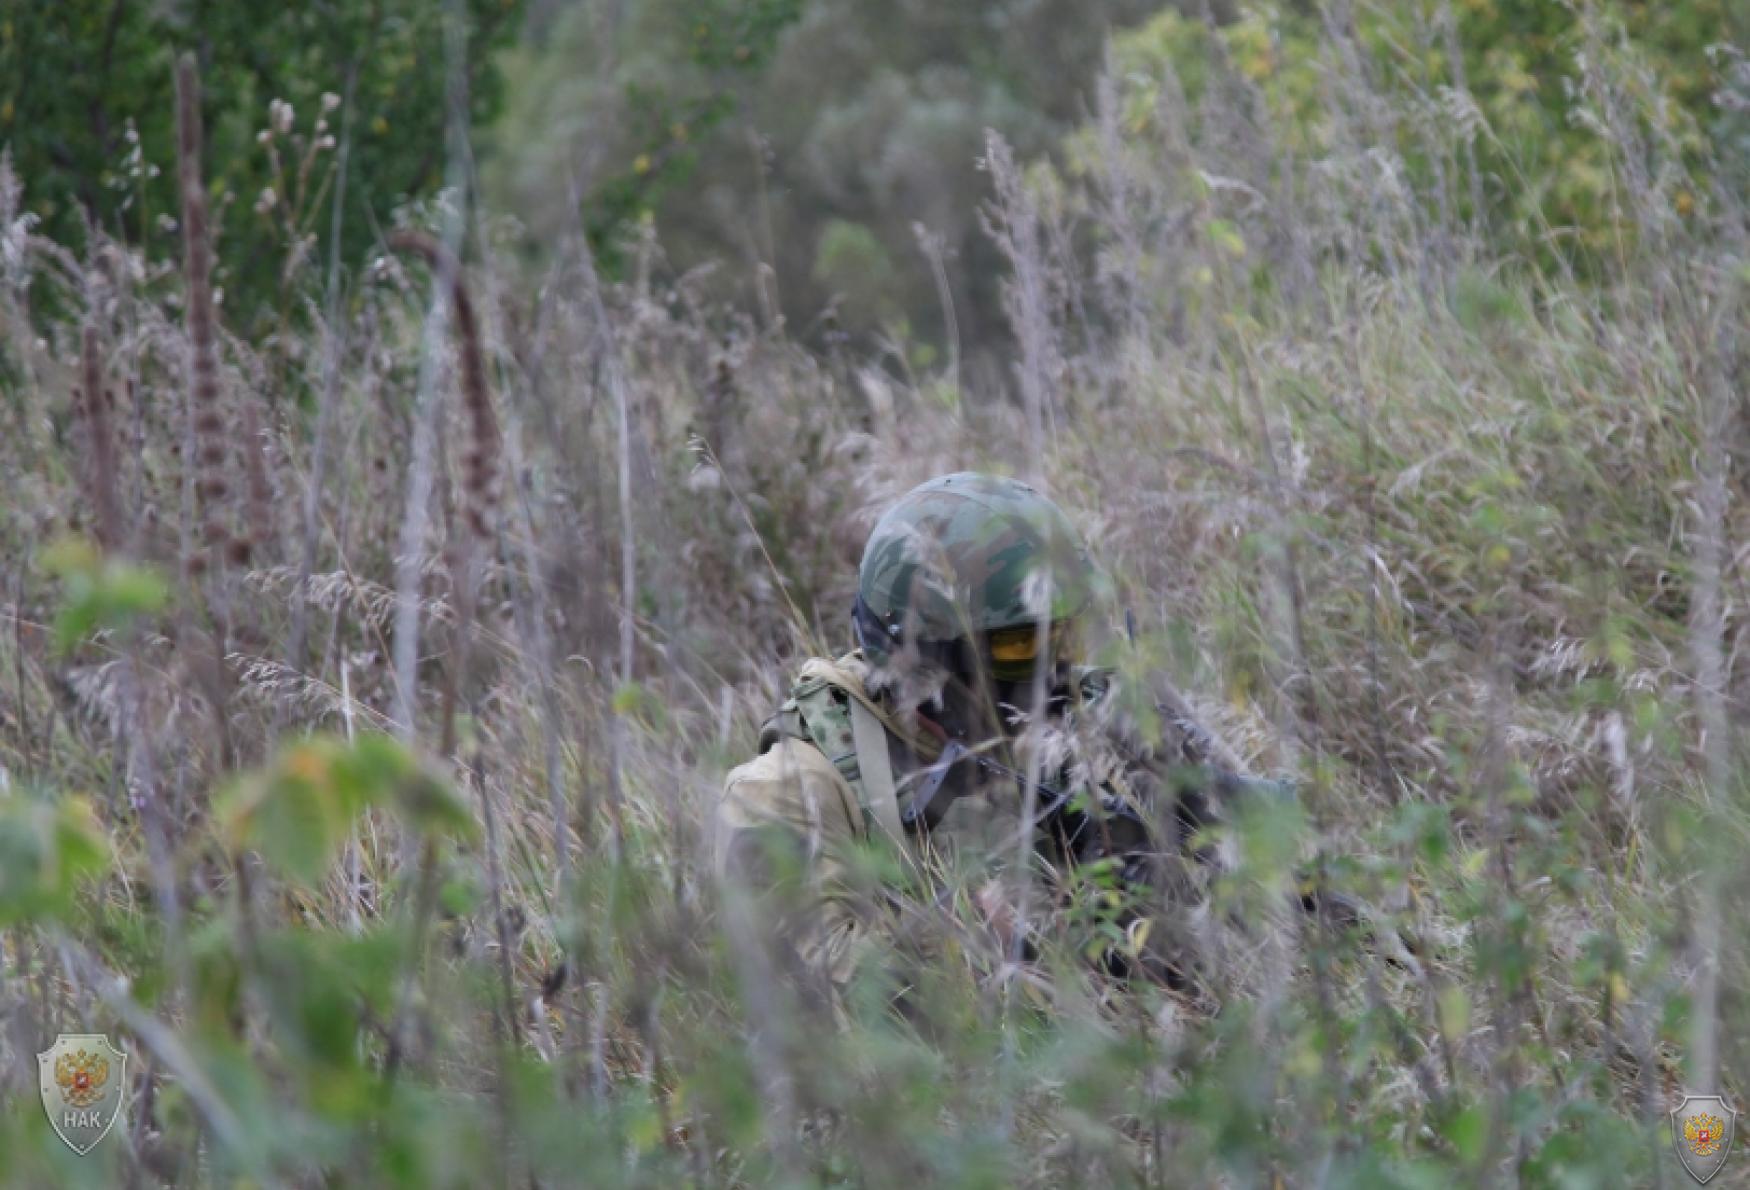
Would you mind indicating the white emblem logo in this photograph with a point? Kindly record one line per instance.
(82, 1077)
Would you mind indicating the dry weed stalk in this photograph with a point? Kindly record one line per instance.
(92, 403)
(480, 469)
(480, 460)
(206, 483)
(1013, 221)
(263, 536)
(206, 414)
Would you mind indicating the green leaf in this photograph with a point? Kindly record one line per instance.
(46, 848)
(1454, 1006)
(459, 896)
(432, 806)
(298, 811)
(1469, 1132)
(367, 773)
(1226, 236)
(101, 593)
(295, 813)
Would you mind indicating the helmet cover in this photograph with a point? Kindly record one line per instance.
(965, 555)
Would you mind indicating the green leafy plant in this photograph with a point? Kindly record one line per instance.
(102, 593)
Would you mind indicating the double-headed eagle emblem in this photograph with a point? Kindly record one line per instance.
(1704, 1134)
(81, 1075)
(1701, 1132)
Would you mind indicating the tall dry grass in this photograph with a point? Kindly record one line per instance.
(1456, 543)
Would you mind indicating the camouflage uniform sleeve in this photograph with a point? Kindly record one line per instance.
(785, 829)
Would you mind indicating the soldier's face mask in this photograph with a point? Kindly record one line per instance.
(969, 679)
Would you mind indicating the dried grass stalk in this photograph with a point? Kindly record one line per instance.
(263, 519)
(480, 460)
(92, 406)
(210, 447)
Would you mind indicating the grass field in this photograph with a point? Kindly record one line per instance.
(365, 687)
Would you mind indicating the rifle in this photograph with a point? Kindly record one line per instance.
(1085, 825)
(1056, 810)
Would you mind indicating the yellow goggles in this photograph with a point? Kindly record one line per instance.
(1018, 647)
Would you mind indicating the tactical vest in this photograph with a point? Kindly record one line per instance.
(822, 711)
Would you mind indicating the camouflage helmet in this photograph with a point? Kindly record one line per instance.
(967, 554)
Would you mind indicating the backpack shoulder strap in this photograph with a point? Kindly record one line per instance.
(875, 763)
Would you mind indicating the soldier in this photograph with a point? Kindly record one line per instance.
(964, 712)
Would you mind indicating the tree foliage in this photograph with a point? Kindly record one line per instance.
(814, 130)
(818, 138)
(1526, 145)
(87, 108)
